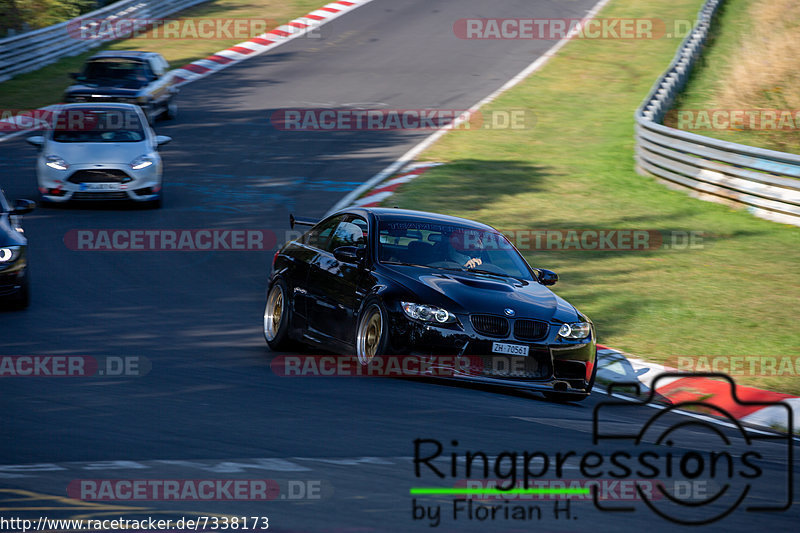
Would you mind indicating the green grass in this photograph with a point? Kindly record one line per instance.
(574, 169)
(728, 32)
(46, 85)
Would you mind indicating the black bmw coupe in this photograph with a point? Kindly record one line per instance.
(378, 282)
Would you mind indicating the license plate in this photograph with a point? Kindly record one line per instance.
(100, 186)
(511, 349)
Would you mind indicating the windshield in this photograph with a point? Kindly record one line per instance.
(117, 72)
(77, 125)
(450, 247)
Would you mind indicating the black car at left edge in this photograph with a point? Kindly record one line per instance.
(14, 282)
(374, 282)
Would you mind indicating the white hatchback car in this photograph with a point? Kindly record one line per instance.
(99, 152)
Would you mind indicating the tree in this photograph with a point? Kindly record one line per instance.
(22, 15)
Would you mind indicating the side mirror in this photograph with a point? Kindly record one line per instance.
(23, 207)
(36, 140)
(162, 139)
(349, 254)
(547, 277)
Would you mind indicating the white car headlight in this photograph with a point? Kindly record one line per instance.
(53, 161)
(141, 162)
(9, 253)
(575, 331)
(428, 313)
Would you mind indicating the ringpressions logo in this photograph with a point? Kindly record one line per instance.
(685, 467)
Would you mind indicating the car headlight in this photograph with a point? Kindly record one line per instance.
(575, 331)
(428, 313)
(9, 253)
(53, 161)
(141, 162)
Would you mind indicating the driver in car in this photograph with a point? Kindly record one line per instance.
(463, 241)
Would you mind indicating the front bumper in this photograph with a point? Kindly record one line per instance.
(13, 276)
(60, 186)
(552, 363)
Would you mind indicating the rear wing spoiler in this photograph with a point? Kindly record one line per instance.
(293, 221)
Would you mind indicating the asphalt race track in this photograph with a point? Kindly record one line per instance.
(210, 407)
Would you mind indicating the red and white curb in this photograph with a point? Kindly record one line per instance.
(264, 42)
(384, 190)
(616, 366)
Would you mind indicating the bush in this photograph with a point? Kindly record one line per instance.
(25, 15)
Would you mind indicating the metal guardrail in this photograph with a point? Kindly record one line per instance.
(767, 182)
(35, 49)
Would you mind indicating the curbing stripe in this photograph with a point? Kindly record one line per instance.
(264, 42)
(612, 365)
(385, 189)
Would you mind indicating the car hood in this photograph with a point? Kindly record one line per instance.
(468, 293)
(97, 153)
(123, 88)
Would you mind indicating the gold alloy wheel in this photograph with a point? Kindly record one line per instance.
(273, 313)
(370, 331)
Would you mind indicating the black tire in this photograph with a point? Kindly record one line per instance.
(171, 109)
(156, 204)
(276, 332)
(22, 298)
(150, 113)
(372, 332)
(46, 203)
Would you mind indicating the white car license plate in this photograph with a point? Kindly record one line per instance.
(511, 349)
(100, 186)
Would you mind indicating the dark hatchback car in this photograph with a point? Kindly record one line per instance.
(13, 254)
(375, 282)
(131, 77)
